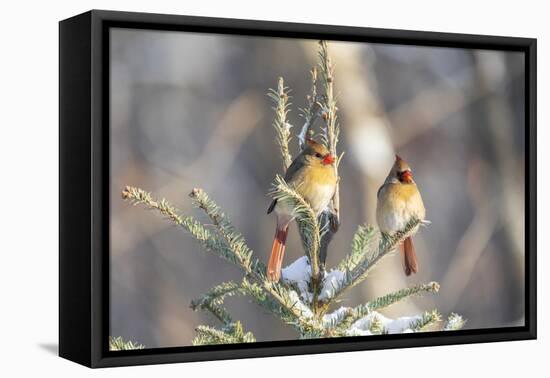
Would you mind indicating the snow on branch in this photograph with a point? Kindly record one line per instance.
(298, 275)
(375, 324)
(353, 314)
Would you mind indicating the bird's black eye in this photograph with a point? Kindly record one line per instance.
(318, 155)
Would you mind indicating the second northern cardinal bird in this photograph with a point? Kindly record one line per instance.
(313, 176)
(398, 202)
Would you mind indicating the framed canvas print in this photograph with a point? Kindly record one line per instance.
(233, 188)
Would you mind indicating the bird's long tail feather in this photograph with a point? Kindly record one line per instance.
(277, 253)
(410, 263)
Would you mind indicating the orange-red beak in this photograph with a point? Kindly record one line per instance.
(328, 159)
(407, 177)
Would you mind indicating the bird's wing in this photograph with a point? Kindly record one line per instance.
(272, 206)
(296, 165)
(379, 190)
(289, 175)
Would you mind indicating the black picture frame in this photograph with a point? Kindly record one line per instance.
(84, 183)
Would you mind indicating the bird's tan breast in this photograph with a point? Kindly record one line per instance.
(397, 204)
(316, 185)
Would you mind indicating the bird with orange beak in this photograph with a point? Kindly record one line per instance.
(399, 201)
(313, 176)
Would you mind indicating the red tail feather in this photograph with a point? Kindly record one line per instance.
(410, 264)
(277, 253)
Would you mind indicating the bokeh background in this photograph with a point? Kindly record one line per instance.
(191, 110)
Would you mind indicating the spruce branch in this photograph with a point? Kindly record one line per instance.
(244, 255)
(376, 326)
(386, 244)
(118, 343)
(362, 242)
(428, 318)
(230, 334)
(376, 323)
(281, 98)
(213, 300)
(309, 113)
(328, 112)
(210, 241)
(288, 307)
(232, 238)
(389, 299)
(328, 109)
(260, 297)
(284, 308)
(454, 323)
(230, 245)
(353, 314)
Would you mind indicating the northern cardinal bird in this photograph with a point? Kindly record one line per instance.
(398, 201)
(312, 175)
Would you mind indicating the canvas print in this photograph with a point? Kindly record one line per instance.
(268, 189)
